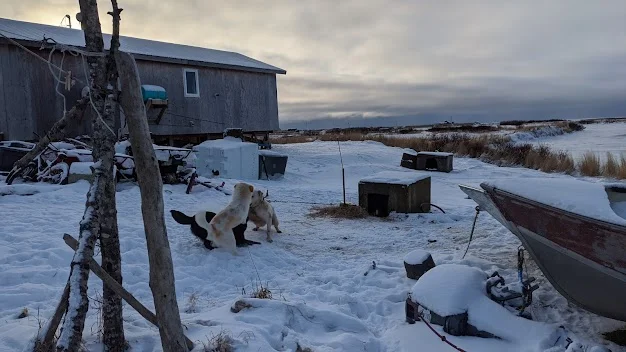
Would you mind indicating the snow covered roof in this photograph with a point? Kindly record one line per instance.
(140, 48)
(395, 177)
(435, 153)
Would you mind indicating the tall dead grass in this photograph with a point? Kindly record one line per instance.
(590, 165)
(494, 149)
(614, 167)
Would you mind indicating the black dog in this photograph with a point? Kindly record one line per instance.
(202, 233)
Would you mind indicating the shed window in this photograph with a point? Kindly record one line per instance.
(192, 87)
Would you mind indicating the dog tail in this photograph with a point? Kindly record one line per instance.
(181, 218)
(196, 229)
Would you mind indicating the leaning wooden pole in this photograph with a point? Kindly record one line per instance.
(56, 133)
(115, 286)
(151, 188)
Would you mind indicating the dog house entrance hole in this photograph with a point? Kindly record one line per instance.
(378, 204)
(431, 164)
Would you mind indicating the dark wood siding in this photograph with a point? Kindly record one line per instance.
(228, 98)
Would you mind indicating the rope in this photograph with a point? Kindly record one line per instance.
(472, 232)
(442, 337)
(30, 52)
(432, 205)
(58, 79)
(75, 52)
(91, 100)
(297, 202)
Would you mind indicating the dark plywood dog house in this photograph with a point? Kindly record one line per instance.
(191, 93)
(402, 192)
(432, 161)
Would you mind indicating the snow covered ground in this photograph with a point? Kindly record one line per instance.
(315, 269)
(597, 137)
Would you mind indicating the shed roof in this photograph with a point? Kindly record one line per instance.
(140, 48)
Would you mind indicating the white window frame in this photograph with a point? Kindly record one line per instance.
(189, 95)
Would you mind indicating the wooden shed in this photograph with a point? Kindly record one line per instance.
(207, 91)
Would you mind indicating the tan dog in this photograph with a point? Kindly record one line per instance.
(235, 213)
(262, 213)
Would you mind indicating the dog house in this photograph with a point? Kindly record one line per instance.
(434, 161)
(399, 191)
(272, 165)
(409, 161)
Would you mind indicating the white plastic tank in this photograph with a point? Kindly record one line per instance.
(229, 157)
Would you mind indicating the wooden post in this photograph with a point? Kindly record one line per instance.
(151, 188)
(116, 287)
(113, 322)
(343, 178)
(343, 174)
(100, 205)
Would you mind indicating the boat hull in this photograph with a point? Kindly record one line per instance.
(583, 258)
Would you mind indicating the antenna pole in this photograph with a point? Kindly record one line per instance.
(343, 174)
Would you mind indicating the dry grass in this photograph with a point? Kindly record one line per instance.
(590, 165)
(611, 166)
(192, 303)
(96, 305)
(614, 167)
(221, 342)
(341, 211)
(494, 149)
(621, 171)
(261, 292)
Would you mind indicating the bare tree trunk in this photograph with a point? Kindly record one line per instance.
(113, 329)
(113, 332)
(78, 303)
(151, 187)
(56, 133)
(100, 207)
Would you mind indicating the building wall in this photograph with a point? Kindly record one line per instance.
(228, 98)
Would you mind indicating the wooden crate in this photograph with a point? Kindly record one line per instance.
(409, 161)
(402, 192)
(436, 161)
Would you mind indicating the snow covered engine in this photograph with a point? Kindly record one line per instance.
(455, 325)
(515, 297)
(448, 295)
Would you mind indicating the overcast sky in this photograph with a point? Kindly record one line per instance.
(488, 59)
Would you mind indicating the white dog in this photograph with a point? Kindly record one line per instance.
(262, 213)
(235, 213)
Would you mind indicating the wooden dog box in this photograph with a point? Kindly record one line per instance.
(409, 161)
(399, 191)
(434, 161)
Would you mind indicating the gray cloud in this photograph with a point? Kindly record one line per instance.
(483, 59)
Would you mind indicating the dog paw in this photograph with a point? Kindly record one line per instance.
(270, 240)
(255, 229)
(279, 231)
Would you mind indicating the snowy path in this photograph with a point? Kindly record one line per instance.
(314, 269)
